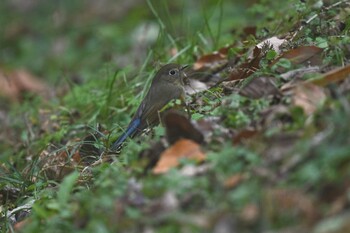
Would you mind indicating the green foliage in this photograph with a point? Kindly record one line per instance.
(239, 111)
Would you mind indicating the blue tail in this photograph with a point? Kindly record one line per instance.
(129, 132)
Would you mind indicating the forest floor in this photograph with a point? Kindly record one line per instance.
(266, 147)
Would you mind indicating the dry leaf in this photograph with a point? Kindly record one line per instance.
(248, 31)
(210, 60)
(183, 148)
(19, 226)
(297, 74)
(308, 96)
(247, 68)
(233, 181)
(178, 126)
(243, 135)
(215, 59)
(335, 75)
(14, 84)
(260, 87)
(308, 55)
(274, 42)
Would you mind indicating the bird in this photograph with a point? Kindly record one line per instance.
(168, 84)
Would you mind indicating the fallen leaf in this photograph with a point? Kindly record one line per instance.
(233, 181)
(217, 58)
(248, 31)
(149, 157)
(308, 96)
(19, 226)
(210, 60)
(244, 135)
(13, 84)
(259, 87)
(183, 148)
(178, 126)
(310, 55)
(273, 42)
(333, 76)
(247, 68)
(297, 74)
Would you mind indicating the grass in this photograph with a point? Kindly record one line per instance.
(105, 74)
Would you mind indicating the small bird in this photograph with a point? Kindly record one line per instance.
(167, 84)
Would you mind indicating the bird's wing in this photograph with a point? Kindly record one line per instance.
(155, 100)
(133, 126)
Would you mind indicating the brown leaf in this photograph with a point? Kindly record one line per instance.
(149, 157)
(13, 84)
(178, 126)
(333, 76)
(297, 74)
(210, 60)
(247, 68)
(260, 87)
(308, 96)
(244, 135)
(19, 226)
(302, 55)
(183, 148)
(217, 58)
(249, 31)
(233, 181)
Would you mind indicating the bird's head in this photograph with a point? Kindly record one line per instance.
(171, 74)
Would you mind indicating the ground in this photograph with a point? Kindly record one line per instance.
(262, 146)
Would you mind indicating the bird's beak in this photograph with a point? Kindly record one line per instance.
(183, 67)
(185, 80)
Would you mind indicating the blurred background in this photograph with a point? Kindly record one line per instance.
(71, 39)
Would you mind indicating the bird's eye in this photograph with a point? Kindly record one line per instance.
(173, 72)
